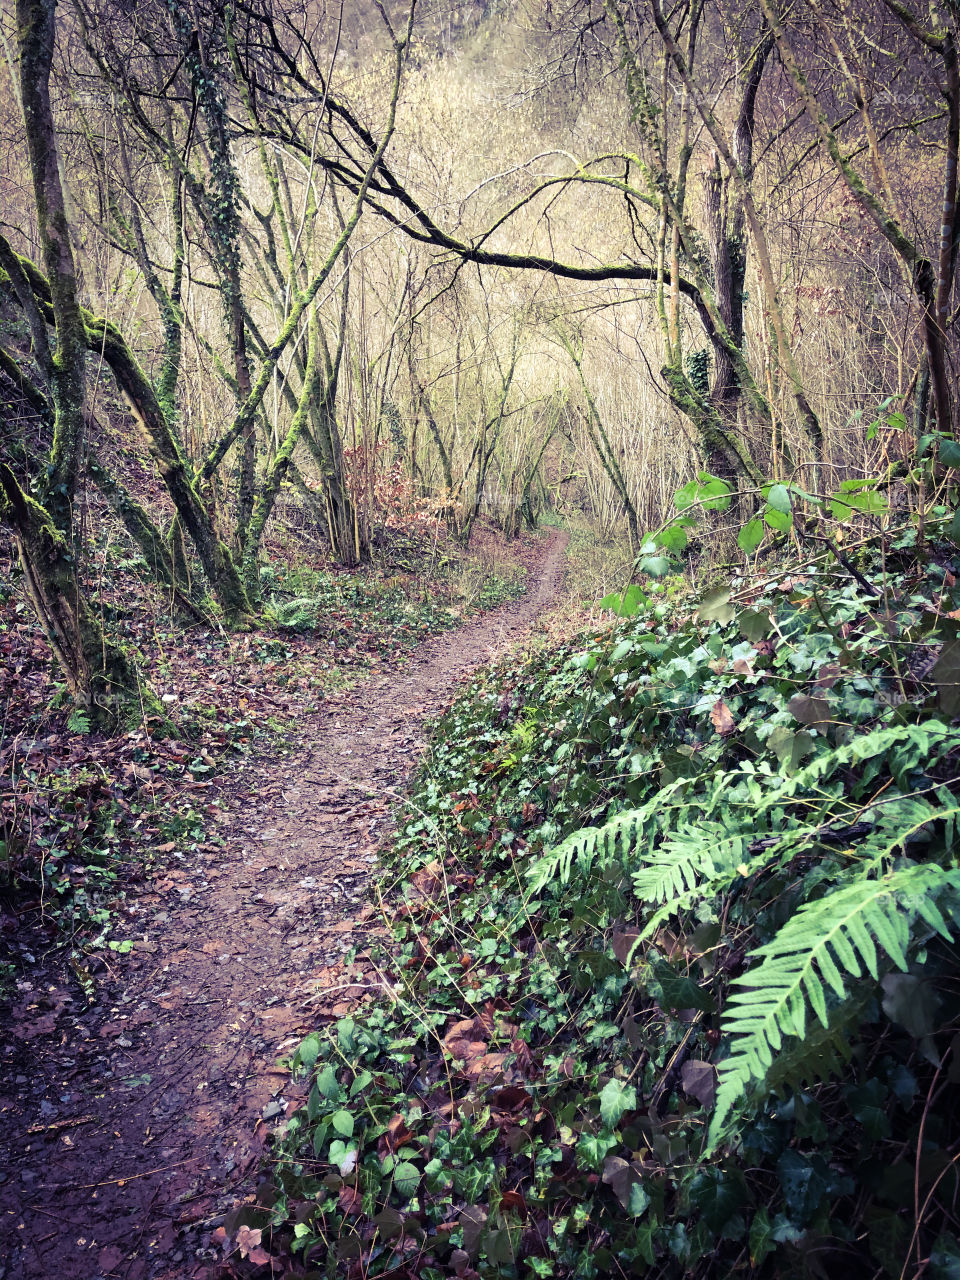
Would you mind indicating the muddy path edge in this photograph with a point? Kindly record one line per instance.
(129, 1129)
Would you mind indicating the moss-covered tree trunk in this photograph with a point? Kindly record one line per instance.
(277, 470)
(102, 679)
(99, 674)
(218, 564)
(165, 567)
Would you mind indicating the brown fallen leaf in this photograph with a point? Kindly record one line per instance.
(721, 717)
(513, 1200)
(512, 1098)
(350, 1200)
(396, 1136)
(428, 880)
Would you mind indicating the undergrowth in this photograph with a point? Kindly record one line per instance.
(672, 987)
(84, 818)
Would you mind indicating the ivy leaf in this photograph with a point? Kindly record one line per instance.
(810, 711)
(624, 1181)
(615, 1100)
(719, 1195)
(680, 992)
(946, 676)
(804, 1182)
(910, 1002)
(754, 624)
(699, 1080)
(760, 1240)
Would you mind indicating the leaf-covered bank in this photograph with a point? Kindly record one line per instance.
(672, 988)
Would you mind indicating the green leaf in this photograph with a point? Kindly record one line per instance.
(778, 497)
(328, 1084)
(656, 566)
(406, 1179)
(945, 1258)
(615, 1099)
(813, 957)
(708, 490)
(309, 1051)
(804, 1182)
(754, 624)
(911, 1003)
(761, 1240)
(946, 676)
(625, 1182)
(360, 1083)
(680, 992)
(867, 1103)
(342, 1121)
(950, 453)
(672, 538)
(719, 1196)
(716, 607)
(750, 536)
(777, 519)
(856, 497)
(627, 604)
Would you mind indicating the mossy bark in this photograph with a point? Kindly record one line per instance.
(165, 568)
(218, 563)
(278, 469)
(101, 677)
(35, 31)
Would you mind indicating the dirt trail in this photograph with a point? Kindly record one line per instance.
(129, 1128)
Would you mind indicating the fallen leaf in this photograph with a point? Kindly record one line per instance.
(512, 1098)
(396, 1136)
(248, 1238)
(350, 1200)
(624, 943)
(810, 711)
(721, 717)
(513, 1200)
(699, 1080)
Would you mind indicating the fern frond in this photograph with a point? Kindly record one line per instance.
(815, 953)
(693, 854)
(729, 863)
(590, 843)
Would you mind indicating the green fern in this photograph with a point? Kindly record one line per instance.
(693, 854)
(815, 953)
(591, 843)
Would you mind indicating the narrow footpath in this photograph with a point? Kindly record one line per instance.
(128, 1129)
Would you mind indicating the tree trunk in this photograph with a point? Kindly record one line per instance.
(102, 679)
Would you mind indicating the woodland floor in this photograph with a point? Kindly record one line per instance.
(131, 1127)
